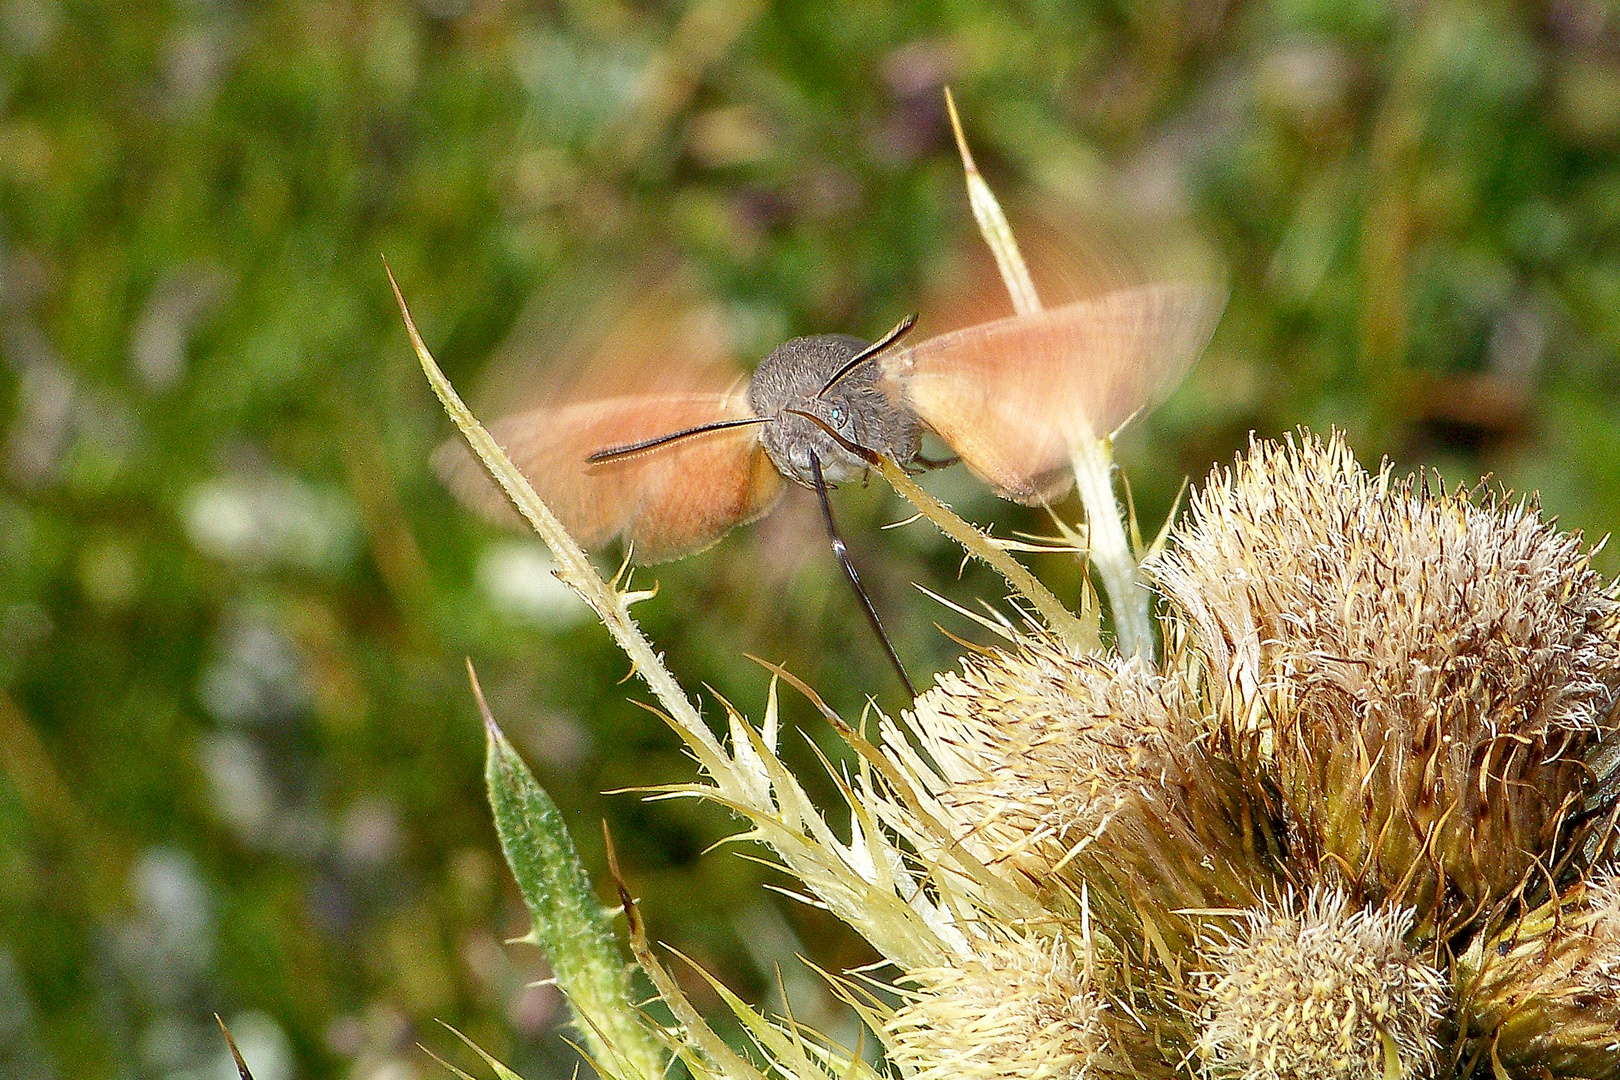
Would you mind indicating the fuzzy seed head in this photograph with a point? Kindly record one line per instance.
(1063, 766)
(1020, 1009)
(1038, 743)
(1324, 991)
(1424, 671)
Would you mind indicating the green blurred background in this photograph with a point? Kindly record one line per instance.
(239, 765)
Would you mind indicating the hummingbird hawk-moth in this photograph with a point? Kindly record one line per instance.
(672, 472)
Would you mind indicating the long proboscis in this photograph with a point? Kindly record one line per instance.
(841, 553)
(615, 453)
(867, 353)
(865, 453)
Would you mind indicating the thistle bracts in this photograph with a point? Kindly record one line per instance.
(1544, 988)
(1095, 773)
(1024, 1006)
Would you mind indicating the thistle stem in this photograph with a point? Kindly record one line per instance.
(1093, 457)
(1110, 550)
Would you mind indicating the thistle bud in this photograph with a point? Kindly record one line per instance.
(1022, 1008)
(1069, 768)
(1318, 990)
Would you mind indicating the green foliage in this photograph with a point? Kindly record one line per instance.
(239, 765)
(570, 926)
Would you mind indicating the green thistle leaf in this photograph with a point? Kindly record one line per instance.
(569, 925)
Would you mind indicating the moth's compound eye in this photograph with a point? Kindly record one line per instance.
(838, 414)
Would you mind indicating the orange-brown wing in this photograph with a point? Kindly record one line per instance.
(1009, 396)
(669, 501)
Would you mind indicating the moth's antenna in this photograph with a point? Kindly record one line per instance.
(614, 453)
(842, 554)
(870, 351)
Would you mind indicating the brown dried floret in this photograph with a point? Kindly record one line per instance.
(1424, 672)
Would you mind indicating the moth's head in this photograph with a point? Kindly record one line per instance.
(789, 387)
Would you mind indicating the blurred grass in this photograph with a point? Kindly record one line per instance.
(239, 766)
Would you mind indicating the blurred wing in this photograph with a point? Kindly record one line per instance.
(648, 331)
(1010, 395)
(669, 501)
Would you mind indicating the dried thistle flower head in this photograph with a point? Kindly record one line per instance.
(1319, 989)
(1424, 671)
(1069, 768)
(1022, 1008)
(1547, 987)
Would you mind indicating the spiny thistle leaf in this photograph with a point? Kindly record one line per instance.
(501, 1071)
(236, 1055)
(570, 926)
